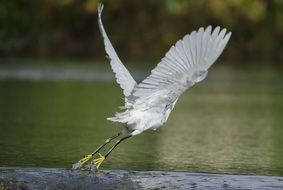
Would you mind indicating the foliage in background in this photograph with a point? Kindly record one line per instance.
(139, 30)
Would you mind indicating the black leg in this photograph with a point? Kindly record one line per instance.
(105, 143)
(118, 142)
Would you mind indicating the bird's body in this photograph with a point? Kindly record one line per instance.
(149, 103)
(147, 115)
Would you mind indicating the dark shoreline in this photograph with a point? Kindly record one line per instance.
(60, 178)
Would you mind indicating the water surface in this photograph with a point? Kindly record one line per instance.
(230, 123)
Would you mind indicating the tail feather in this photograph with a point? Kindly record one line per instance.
(121, 117)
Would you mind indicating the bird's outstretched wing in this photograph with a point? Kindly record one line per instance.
(184, 64)
(122, 75)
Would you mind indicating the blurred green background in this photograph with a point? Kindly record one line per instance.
(140, 30)
(57, 88)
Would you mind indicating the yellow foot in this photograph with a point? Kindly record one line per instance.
(98, 161)
(81, 162)
(85, 159)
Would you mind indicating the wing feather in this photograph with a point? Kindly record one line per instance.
(185, 64)
(122, 75)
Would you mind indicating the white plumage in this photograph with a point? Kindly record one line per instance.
(148, 104)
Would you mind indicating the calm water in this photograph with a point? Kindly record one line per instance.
(230, 123)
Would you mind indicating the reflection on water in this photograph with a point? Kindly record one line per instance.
(231, 123)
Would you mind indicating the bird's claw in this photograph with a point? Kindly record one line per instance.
(98, 161)
(81, 162)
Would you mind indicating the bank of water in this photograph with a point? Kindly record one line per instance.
(57, 178)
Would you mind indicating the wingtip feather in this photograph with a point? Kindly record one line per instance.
(100, 8)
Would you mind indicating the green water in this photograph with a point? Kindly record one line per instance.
(230, 123)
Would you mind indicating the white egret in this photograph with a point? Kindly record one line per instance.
(149, 103)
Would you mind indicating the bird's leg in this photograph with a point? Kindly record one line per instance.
(105, 143)
(101, 158)
(82, 161)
